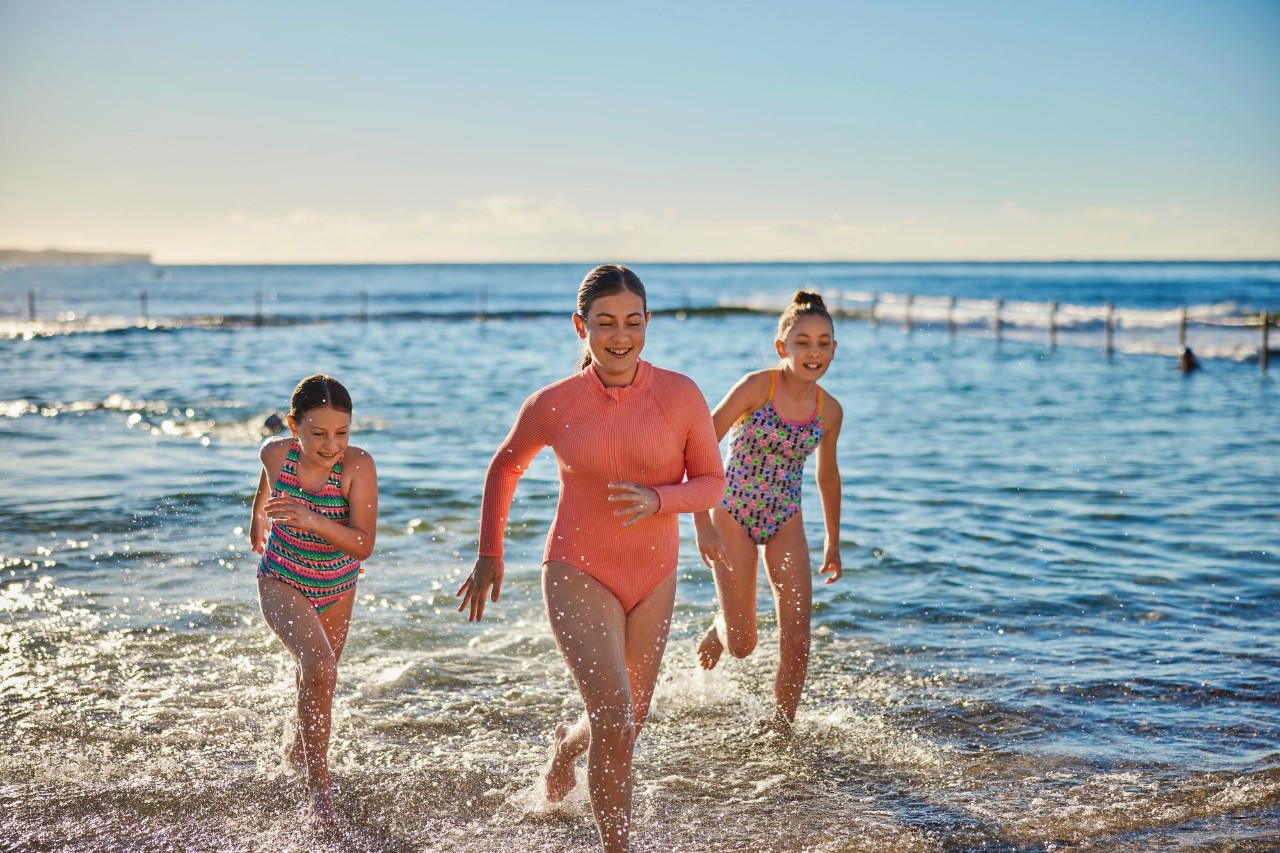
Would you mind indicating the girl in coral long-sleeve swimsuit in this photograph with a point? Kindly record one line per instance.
(635, 446)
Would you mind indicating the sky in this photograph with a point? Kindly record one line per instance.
(394, 132)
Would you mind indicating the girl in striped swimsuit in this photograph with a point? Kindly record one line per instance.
(314, 518)
(778, 417)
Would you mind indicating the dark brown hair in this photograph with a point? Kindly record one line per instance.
(802, 304)
(606, 280)
(317, 391)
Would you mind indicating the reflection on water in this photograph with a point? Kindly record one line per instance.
(1057, 629)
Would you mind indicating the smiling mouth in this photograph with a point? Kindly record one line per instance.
(812, 365)
(618, 352)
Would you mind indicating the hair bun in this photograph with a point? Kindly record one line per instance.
(805, 297)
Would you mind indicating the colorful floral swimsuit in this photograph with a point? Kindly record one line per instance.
(766, 466)
(300, 558)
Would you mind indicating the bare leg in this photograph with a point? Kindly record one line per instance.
(735, 625)
(786, 559)
(614, 658)
(648, 626)
(293, 619)
(335, 621)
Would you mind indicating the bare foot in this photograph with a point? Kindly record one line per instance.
(710, 649)
(560, 776)
(323, 814)
(780, 726)
(294, 756)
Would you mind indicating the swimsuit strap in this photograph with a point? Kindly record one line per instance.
(773, 375)
(819, 401)
(335, 474)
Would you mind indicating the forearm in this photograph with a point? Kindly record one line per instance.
(495, 506)
(829, 494)
(697, 494)
(350, 539)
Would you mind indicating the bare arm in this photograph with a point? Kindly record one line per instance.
(258, 522)
(828, 475)
(356, 538)
(751, 392)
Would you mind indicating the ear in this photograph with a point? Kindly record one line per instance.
(580, 325)
(293, 424)
(648, 315)
(781, 347)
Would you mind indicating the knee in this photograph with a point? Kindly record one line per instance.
(741, 642)
(795, 643)
(319, 673)
(614, 725)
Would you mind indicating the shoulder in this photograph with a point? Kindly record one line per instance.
(358, 460)
(668, 381)
(832, 411)
(274, 450)
(555, 394)
(751, 392)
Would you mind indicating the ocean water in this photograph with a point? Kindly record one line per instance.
(1059, 626)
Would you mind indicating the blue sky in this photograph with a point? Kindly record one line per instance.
(385, 131)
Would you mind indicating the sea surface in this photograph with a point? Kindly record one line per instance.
(1058, 629)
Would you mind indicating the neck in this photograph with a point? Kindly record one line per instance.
(616, 380)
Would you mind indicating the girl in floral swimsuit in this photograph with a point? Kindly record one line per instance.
(778, 418)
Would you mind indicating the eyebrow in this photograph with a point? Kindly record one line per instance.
(614, 316)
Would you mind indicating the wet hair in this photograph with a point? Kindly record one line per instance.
(803, 304)
(318, 391)
(607, 280)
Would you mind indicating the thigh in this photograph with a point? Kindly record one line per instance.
(736, 581)
(786, 560)
(336, 620)
(590, 628)
(648, 626)
(290, 615)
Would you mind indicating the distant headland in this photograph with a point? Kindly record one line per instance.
(60, 258)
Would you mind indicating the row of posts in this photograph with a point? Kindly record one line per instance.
(908, 323)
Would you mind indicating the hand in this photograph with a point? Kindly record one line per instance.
(258, 534)
(640, 502)
(831, 565)
(488, 572)
(710, 545)
(290, 511)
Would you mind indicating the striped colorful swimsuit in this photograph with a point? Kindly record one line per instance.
(766, 467)
(300, 558)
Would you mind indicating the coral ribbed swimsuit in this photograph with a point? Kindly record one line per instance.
(655, 432)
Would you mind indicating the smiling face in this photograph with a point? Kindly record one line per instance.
(809, 347)
(322, 435)
(614, 331)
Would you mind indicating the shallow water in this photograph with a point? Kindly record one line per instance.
(1057, 628)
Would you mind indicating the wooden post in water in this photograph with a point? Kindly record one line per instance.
(1262, 353)
(482, 304)
(1111, 327)
(1182, 327)
(873, 320)
(1053, 325)
(999, 319)
(257, 308)
(951, 316)
(142, 297)
(31, 305)
(906, 320)
(364, 306)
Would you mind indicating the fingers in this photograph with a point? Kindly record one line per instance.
(834, 570)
